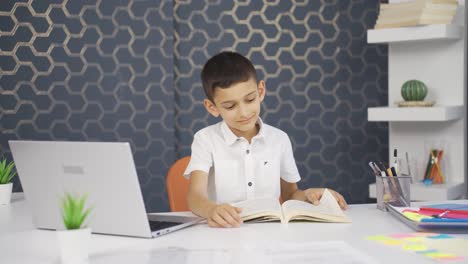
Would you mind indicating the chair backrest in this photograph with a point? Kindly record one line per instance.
(177, 185)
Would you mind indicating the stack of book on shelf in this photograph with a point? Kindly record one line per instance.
(416, 12)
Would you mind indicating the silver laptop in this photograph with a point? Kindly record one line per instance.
(104, 171)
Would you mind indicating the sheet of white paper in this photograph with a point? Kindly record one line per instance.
(318, 252)
(274, 253)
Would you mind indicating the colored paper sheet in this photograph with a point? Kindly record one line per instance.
(441, 247)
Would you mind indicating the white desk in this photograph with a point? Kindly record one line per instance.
(21, 243)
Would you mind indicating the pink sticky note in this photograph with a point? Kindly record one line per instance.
(402, 235)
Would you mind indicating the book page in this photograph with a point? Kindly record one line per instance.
(260, 207)
(328, 206)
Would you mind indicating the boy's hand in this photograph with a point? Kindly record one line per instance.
(313, 196)
(225, 215)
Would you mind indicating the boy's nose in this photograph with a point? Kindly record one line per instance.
(243, 110)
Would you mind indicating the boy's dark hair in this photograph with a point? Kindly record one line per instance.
(225, 69)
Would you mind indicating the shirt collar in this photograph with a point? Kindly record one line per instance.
(230, 137)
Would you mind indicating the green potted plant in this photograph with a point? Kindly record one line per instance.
(6, 174)
(74, 240)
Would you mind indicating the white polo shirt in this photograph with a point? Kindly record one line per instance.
(238, 170)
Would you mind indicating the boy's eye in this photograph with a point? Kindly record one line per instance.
(229, 107)
(251, 99)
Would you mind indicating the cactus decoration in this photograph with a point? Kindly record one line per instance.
(413, 90)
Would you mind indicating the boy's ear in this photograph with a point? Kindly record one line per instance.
(261, 89)
(211, 107)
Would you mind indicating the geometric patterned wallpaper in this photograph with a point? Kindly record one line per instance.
(94, 71)
(130, 71)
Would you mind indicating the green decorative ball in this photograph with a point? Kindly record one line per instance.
(413, 90)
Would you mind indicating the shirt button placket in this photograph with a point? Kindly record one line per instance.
(249, 171)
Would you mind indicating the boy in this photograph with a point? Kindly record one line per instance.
(240, 157)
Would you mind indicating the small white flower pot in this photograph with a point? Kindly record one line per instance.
(5, 193)
(74, 245)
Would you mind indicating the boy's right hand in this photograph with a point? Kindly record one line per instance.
(225, 215)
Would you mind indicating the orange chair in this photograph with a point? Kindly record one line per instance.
(177, 185)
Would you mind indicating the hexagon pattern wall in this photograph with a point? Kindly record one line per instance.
(129, 71)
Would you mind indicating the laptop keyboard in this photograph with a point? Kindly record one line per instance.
(158, 225)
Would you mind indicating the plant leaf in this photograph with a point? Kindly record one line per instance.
(1, 178)
(3, 164)
(2, 170)
(81, 204)
(73, 213)
(11, 176)
(83, 217)
(7, 172)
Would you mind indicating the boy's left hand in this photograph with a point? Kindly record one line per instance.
(313, 196)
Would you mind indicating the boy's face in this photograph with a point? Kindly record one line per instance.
(238, 105)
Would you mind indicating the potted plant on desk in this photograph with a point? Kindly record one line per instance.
(6, 174)
(74, 241)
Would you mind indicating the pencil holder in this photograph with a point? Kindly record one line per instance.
(394, 190)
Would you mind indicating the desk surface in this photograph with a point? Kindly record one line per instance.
(21, 243)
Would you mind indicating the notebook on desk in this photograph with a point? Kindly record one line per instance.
(103, 170)
(433, 218)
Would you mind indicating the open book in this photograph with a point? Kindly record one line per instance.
(269, 209)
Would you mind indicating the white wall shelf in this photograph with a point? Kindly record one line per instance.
(436, 113)
(421, 192)
(420, 33)
(436, 55)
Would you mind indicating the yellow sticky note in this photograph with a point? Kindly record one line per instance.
(413, 239)
(439, 255)
(415, 216)
(377, 238)
(415, 247)
(392, 242)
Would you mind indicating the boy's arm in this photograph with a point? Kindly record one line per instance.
(290, 191)
(218, 215)
(197, 197)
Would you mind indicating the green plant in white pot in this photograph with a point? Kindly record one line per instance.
(74, 240)
(6, 174)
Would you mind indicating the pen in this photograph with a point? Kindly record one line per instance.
(376, 172)
(391, 186)
(436, 161)
(390, 172)
(376, 168)
(395, 163)
(384, 170)
(396, 185)
(445, 213)
(386, 189)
